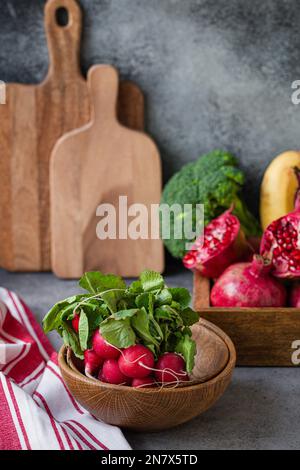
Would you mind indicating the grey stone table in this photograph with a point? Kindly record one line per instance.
(260, 409)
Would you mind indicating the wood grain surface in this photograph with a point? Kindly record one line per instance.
(262, 337)
(95, 165)
(32, 120)
(154, 409)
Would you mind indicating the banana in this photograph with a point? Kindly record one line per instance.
(279, 187)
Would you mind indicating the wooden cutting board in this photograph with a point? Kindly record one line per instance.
(95, 165)
(32, 120)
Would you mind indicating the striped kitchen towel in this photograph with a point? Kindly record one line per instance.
(37, 410)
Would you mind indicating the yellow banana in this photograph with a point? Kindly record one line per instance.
(278, 187)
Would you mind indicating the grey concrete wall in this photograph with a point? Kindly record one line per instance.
(216, 73)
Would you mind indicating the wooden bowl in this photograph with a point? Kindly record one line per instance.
(153, 409)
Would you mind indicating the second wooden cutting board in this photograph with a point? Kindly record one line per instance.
(31, 121)
(93, 166)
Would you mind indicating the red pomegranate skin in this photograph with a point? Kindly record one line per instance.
(294, 300)
(222, 244)
(281, 241)
(280, 244)
(248, 285)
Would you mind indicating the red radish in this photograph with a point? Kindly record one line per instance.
(111, 373)
(295, 295)
(92, 362)
(170, 368)
(103, 348)
(136, 361)
(248, 285)
(281, 241)
(222, 243)
(75, 322)
(143, 382)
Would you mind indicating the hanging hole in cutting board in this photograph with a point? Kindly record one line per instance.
(62, 17)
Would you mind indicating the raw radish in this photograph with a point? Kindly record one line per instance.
(222, 243)
(295, 295)
(170, 368)
(254, 243)
(92, 362)
(143, 382)
(280, 241)
(103, 348)
(248, 285)
(75, 322)
(111, 373)
(136, 361)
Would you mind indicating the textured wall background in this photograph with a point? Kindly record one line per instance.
(216, 74)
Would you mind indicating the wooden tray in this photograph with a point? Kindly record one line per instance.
(262, 337)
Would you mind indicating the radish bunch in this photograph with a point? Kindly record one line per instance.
(137, 334)
(133, 366)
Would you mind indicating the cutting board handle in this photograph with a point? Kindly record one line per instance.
(63, 40)
(103, 82)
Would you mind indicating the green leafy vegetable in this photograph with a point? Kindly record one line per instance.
(150, 280)
(112, 297)
(118, 332)
(83, 330)
(95, 320)
(166, 312)
(215, 181)
(135, 287)
(95, 282)
(163, 297)
(121, 314)
(51, 320)
(189, 316)
(141, 324)
(181, 296)
(187, 347)
(71, 339)
(143, 300)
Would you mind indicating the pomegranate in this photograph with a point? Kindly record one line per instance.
(281, 241)
(294, 300)
(248, 285)
(222, 243)
(170, 368)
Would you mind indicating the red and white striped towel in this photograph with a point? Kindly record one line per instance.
(36, 409)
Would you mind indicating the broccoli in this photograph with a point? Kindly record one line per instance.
(215, 181)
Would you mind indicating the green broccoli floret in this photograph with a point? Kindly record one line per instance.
(215, 181)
